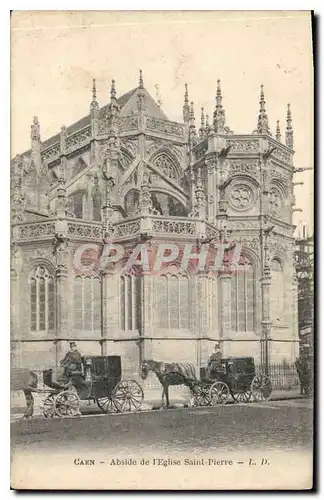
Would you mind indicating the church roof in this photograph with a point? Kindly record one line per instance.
(128, 106)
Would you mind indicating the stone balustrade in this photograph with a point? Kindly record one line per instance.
(89, 230)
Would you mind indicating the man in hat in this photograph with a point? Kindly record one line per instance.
(72, 361)
(215, 362)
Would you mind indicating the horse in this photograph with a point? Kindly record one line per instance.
(24, 380)
(169, 374)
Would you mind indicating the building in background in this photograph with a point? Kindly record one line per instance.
(128, 174)
(305, 278)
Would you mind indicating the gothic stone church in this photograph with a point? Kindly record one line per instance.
(127, 174)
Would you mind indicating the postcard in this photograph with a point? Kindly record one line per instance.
(162, 310)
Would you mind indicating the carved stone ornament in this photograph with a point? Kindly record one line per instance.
(61, 250)
(211, 166)
(164, 126)
(275, 200)
(243, 145)
(241, 197)
(174, 227)
(78, 139)
(242, 167)
(127, 228)
(276, 174)
(45, 253)
(252, 243)
(130, 146)
(51, 152)
(36, 231)
(277, 249)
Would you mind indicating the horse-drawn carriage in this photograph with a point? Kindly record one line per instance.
(237, 378)
(99, 380)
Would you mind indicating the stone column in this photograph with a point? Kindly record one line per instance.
(110, 310)
(265, 321)
(202, 303)
(146, 328)
(211, 190)
(225, 304)
(62, 294)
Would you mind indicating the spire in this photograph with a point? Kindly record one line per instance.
(186, 108)
(113, 92)
(263, 124)
(289, 129)
(207, 128)
(94, 103)
(140, 94)
(219, 113)
(113, 110)
(35, 130)
(202, 124)
(192, 115)
(278, 133)
(141, 83)
(186, 99)
(192, 128)
(17, 195)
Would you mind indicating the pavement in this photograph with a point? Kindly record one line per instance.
(279, 424)
(178, 399)
(269, 445)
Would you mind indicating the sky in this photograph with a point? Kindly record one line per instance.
(55, 56)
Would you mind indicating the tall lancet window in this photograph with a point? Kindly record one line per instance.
(42, 299)
(130, 302)
(243, 298)
(172, 309)
(276, 291)
(87, 303)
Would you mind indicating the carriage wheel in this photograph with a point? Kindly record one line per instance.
(219, 393)
(48, 406)
(128, 396)
(67, 404)
(261, 388)
(242, 397)
(200, 393)
(106, 404)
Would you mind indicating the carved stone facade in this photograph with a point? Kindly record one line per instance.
(127, 175)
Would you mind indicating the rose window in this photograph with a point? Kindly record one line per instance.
(241, 197)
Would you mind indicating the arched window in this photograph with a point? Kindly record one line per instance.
(130, 302)
(166, 165)
(276, 291)
(172, 302)
(42, 300)
(76, 203)
(87, 303)
(243, 298)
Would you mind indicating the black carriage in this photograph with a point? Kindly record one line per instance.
(100, 381)
(236, 377)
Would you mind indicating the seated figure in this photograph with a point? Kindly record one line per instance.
(72, 361)
(215, 367)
